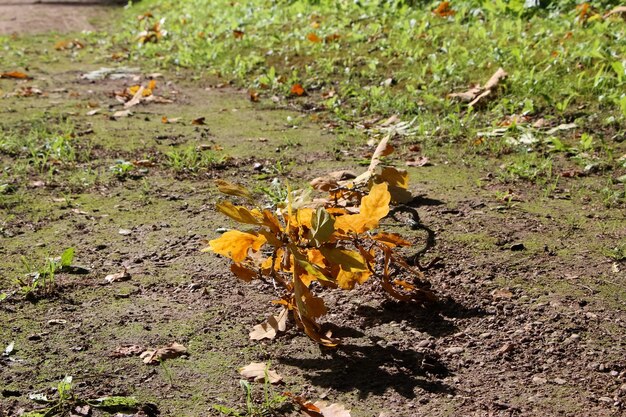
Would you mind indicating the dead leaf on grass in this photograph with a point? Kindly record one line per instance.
(15, 74)
(269, 328)
(477, 93)
(418, 161)
(121, 113)
(125, 351)
(198, 121)
(93, 112)
(319, 408)
(297, 90)
(172, 351)
(617, 10)
(166, 120)
(136, 98)
(123, 275)
(68, 44)
(258, 372)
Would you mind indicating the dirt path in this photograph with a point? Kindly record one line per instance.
(32, 17)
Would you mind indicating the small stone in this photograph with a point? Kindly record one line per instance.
(454, 350)
(539, 380)
(424, 343)
(124, 232)
(559, 381)
(484, 335)
(605, 399)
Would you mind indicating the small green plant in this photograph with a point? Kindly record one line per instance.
(41, 282)
(66, 401)
(192, 160)
(122, 169)
(269, 405)
(618, 253)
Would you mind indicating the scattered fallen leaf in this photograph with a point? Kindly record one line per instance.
(617, 10)
(297, 90)
(125, 351)
(475, 94)
(269, 328)
(444, 9)
(238, 34)
(93, 112)
(144, 163)
(501, 293)
(166, 120)
(563, 126)
(313, 37)
(258, 371)
(254, 95)
(69, 44)
(123, 275)
(136, 98)
(418, 161)
(15, 74)
(121, 113)
(198, 121)
(172, 351)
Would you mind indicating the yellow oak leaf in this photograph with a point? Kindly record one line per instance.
(235, 244)
(232, 189)
(240, 213)
(348, 279)
(391, 239)
(374, 207)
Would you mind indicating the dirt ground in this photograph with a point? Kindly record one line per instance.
(532, 312)
(29, 16)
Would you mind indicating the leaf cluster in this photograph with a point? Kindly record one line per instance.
(306, 250)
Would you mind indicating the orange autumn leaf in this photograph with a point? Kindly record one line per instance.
(235, 244)
(14, 74)
(297, 90)
(313, 37)
(374, 207)
(246, 274)
(444, 9)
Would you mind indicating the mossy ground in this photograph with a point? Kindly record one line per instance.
(554, 309)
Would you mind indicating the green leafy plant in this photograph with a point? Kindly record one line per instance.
(66, 400)
(42, 280)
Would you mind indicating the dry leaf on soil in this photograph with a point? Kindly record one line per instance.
(125, 351)
(123, 275)
(15, 74)
(269, 328)
(478, 93)
(172, 351)
(258, 371)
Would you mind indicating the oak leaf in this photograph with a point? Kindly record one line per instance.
(235, 244)
(155, 356)
(268, 329)
(259, 371)
(236, 190)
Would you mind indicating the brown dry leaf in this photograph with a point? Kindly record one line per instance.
(332, 410)
(154, 357)
(69, 44)
(269, 328)
(418, 161)
(93, 112)
(136, 98)
(123, 275)
(501, 293)
(332, 180)
(617, 10)
(238, 34)
(144, 163)
(313, 37)
(121, 113)
(198, 121)
(125, 351)
(15, 74)
(258, 372)
(166, 120)
(297, 90)
(254, 95)
(477, 93)
(444, 9)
